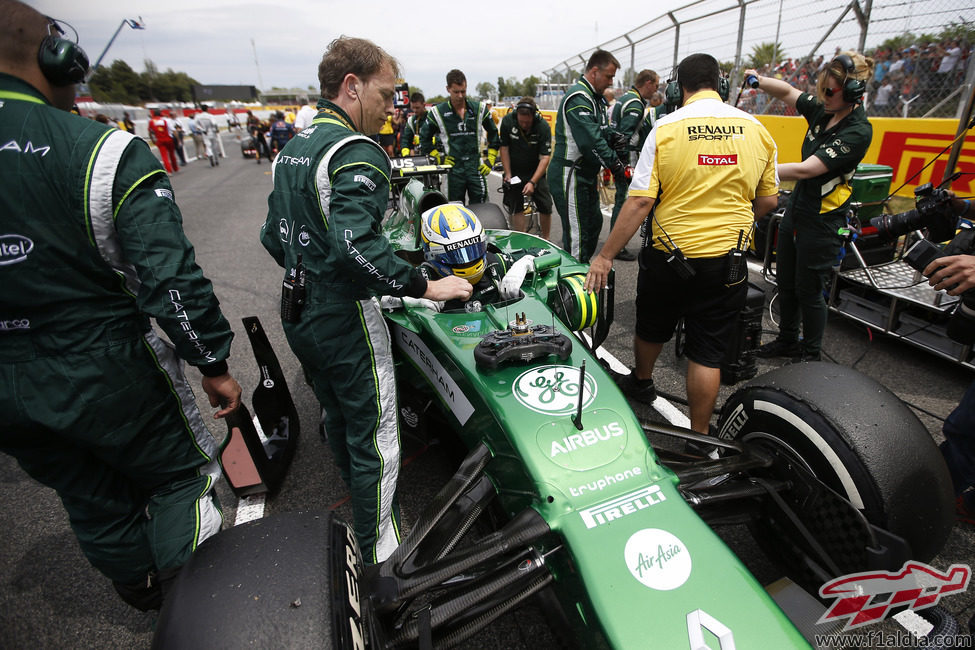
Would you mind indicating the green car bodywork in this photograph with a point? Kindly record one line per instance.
(630, 557)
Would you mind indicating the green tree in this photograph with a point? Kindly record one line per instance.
(102, 86)
(485, 90)
(964, 32)
(148, 80)
(625, 78)
(127, 78)
(512, 88)
(765, 54)
(564, 76)
(117, 83)
(179, 86)
(530, 85)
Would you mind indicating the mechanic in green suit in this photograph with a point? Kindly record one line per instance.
(627, 120)
(94, 404)
(811, 232)
(410, 138)
(331, 186)
(456, 124)
(581, 149)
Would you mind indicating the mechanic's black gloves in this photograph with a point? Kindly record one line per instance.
(618, 170)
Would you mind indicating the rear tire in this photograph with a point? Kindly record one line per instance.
(858, 438)
(282, 581)
(490, 216)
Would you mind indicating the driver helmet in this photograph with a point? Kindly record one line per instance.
(454, 241)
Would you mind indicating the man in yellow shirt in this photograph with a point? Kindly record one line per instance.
(387, 136)
(706, 171)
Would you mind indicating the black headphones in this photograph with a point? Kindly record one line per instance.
(724, 88)
(672, 94)
(536, 115)
(853, 88)
(62, 61)
(673, 98)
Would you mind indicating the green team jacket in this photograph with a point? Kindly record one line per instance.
(818, 205)
(92, 242)
(331, 188)
(411, 131)
(458, 137)
(580, 131)
(626, 119)
(649, 121)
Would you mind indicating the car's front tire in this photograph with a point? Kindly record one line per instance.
(855, 436)
(288, 580)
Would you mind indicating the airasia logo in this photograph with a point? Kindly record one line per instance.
(712, 160)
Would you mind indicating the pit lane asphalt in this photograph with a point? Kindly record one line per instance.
(51, 598)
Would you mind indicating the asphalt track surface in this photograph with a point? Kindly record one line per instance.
(51, 598)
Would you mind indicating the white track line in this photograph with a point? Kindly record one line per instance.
(251, 507)
(670, 412)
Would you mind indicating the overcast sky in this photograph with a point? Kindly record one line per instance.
(211, 39)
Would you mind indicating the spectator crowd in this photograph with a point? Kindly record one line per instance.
(906, 81)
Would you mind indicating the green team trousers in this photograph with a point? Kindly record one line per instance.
(116, 432)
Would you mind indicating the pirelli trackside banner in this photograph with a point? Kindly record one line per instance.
(906, 145)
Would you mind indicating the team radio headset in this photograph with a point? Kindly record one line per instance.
(62, 61)
(853, 88)
(674, 98)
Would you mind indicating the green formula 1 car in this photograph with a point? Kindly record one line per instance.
(832, 473)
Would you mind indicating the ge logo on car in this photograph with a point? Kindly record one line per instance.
(553, 390)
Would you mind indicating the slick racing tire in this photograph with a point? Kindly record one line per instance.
(855, 436)
(944, 625)
(490, 216)
(288, 580)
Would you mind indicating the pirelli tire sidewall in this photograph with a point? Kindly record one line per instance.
(858, 438)
(290, 580)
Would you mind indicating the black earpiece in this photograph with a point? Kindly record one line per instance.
(853, 88)
(672, 94)
(724, 88)
(62, 61)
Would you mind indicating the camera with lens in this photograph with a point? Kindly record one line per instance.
(932, 211)
(961, 324)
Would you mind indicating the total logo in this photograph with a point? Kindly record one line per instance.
(658, 559)
(553, 390)
(14, 249)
